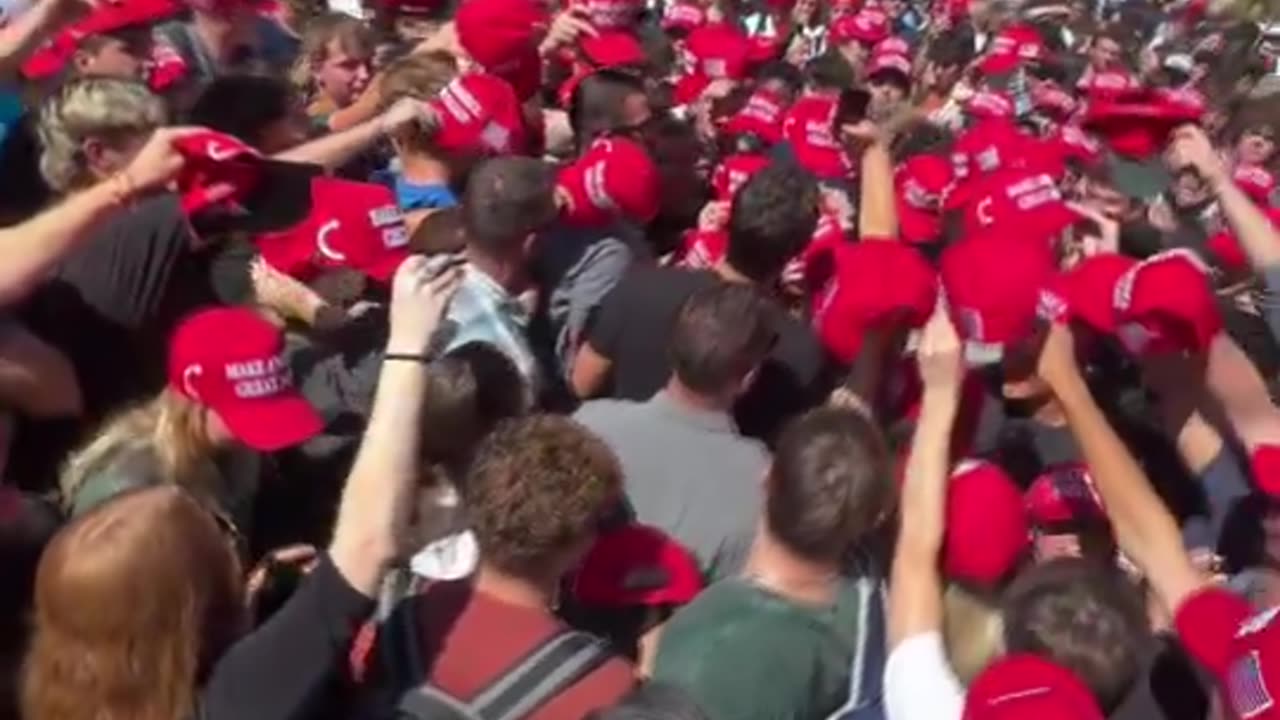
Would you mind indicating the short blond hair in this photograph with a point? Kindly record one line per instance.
(973, 630)
(91, 107)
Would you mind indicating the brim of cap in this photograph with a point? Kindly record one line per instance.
(1139, 179)
(272, 423)
(279, 199)
(891, 75)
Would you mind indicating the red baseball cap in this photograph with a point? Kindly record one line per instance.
(868, 26)
(987, 146)
(875, 284)
(1190, 100)
(1086, 292)
(479, 113)
(636, 565)
(612, 14)
(989, 104)
(1018, 687)
(1264, 462)
(921, 183)
(1026, 203)
(351, 225)
(1073, 143)
(263, 194)
(993, 285)
(713, 52)
(1165, 303)
(734, 172)
(684, 16)
(612, 48)
(1238, 645)
(1109, 85)
(761, 115)
(1011, 47)
(1256, 182)
(1136, 129)
(229, 360)
(809, 128)
(51, 57)
(614, 178)
(502, 36)
(890, 63)
(987, 530)
(1064, 494)
(892, 45)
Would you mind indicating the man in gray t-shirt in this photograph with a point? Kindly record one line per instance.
(686, 468)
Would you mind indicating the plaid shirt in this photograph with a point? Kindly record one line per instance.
(483, 311)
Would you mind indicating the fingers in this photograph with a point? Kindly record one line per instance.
(294, 554)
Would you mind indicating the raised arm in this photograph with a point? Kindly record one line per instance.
(877, 209)
(340, 147)
(32, 249)
(1144, 528)
(378, 493)
(25, 33)
(915, 587)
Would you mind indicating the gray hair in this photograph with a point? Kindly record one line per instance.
(84, 108)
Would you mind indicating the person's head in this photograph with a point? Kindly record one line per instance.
(830, 485)
(721, 336)
(1082, 615)
(472, 388)
(1106, 52)
(260, 110)
(121, 54)
(607, 102)
(1101, 194)
(236, 15)
(167, 600)
(335, 55)
(773, 216)
(780, 78)
(92, 127)
(946, 59)
(888, 90)
(829, 72)
(507, 201)
(439, 232)
(420, 77)
(535, 493)
(1257, 145)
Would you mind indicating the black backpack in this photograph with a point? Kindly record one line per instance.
(530, 682)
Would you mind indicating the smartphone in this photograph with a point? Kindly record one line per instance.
(853, 106)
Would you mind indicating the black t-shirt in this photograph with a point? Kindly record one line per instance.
(1168, 687)
(632, 328)
(110, 308)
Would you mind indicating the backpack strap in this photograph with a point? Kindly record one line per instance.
(555, 666)
(549, 669)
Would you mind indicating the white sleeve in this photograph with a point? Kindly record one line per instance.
(919, 683)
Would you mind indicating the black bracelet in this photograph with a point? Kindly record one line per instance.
(407, 357)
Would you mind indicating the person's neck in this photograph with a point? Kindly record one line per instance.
(678, 393)
(728, 273)
(780, 570)
(510, 276)
(217, 35)
(421, 170)
(516, 591)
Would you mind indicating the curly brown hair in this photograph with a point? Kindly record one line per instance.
(536, 489)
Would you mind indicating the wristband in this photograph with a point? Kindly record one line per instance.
(407, 357)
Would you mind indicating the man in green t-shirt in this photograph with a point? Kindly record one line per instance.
(800, 635)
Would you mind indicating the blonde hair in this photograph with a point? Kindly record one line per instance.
(171, 426)
(353, 35)
(110, 109)
(134, 603)
(420, 77)
(973, 630)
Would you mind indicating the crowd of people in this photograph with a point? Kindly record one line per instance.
(635, 360)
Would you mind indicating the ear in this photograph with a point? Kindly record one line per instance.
(95, 152)
(81, 60)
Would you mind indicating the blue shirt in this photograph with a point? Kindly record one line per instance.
(412, 196)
